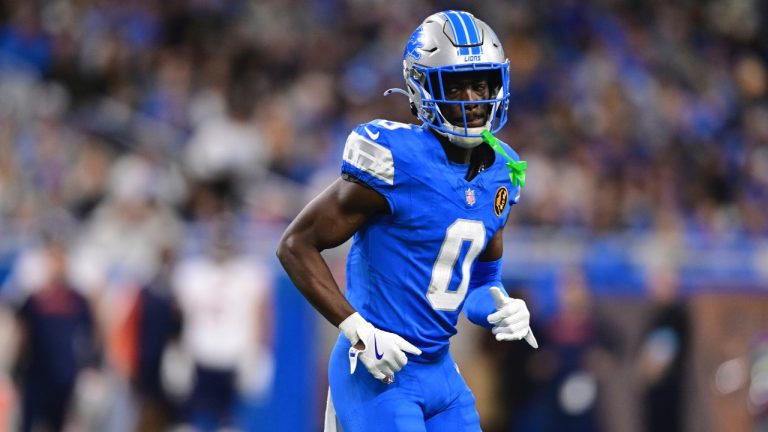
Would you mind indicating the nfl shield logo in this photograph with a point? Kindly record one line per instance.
(469, 194)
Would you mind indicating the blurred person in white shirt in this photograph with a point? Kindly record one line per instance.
(224, 301)
(122, 243)
(230, 144)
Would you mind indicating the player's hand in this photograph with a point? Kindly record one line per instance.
(382, 353)
(511, 320)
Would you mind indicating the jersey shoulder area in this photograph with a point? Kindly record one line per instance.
(388, 133)
(377, 150)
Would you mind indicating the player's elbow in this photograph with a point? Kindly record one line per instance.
(290, 245)
(284, 247)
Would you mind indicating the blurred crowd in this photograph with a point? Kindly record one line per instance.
(148, 148)
(652, 113)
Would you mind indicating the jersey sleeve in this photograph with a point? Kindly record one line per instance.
(368, 158)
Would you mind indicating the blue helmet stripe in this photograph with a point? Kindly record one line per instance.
(472, 32)
(471, 29)
(459, 32)
(462, 24)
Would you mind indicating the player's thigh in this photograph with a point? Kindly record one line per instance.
(380, 415)
(460, 416)
(362, 403)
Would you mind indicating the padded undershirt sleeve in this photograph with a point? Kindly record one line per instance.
(479, 303)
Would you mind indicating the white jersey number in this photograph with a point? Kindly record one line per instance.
(391, 125)
(460, 231)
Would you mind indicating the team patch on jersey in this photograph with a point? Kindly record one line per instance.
(370, 157)
(500, 202)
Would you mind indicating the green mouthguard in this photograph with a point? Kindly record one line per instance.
(516, 168)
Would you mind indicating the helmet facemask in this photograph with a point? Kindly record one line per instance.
(428, 93)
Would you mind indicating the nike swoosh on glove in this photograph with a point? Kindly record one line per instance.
(511, 320)
(383, 353)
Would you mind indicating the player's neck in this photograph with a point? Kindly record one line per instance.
(453, 152)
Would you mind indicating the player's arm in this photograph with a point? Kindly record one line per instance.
(326, 222)
(485, 274)
(495, 248)
(488, 305)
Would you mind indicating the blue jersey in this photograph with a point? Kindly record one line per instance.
(408, 271)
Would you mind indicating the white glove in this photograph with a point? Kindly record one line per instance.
(511, 320)
(383, 353)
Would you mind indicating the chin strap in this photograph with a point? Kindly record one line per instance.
(516, 168)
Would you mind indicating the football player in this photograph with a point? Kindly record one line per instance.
(426, 206)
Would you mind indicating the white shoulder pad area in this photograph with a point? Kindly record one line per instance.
(368, 156)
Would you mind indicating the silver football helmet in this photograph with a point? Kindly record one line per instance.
(450, 42)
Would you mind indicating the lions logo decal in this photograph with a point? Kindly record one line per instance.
(414, 45)
(500, 202)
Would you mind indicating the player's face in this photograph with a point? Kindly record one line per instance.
(468, 86)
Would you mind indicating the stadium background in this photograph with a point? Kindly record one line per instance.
(132, 132)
